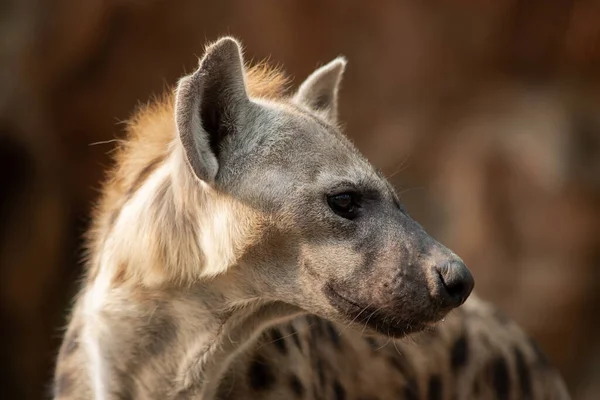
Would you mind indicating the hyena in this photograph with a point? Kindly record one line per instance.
(243, 248)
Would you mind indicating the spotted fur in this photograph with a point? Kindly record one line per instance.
(219, 268)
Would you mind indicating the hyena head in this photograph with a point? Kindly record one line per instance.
(334, 238)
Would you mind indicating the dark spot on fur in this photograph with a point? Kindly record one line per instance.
(500, 378)
(539, 353)
(160, 334)
(312, 319)
(323, 326)
(399, 363)
(460, 353)
(260, 375)
(435, 388)
(317, 395)
(295, 337)
(313, 339)
(371, 342)
(278, 340)
(339, 392)
(316, 329)
(333, 334)
(476, 388)
(523, 374)
(63, 385)
(127, 389)
(321, 371)
(296, 386)
(411, 391)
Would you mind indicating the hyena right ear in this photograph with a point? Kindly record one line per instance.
(210, 105)
(319, 92)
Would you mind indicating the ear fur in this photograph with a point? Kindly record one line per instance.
(319, 92)
(210, 104)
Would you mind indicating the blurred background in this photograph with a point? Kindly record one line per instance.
(485, 115)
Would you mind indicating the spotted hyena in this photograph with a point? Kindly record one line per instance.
(244, 249)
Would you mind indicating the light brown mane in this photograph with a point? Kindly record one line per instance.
(149, 134)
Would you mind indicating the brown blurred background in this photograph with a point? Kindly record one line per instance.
(485, 114)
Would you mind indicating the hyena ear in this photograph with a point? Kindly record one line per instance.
(210, 105)
(319, 92)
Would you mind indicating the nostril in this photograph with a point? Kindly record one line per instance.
(455, 289)
(457, 281)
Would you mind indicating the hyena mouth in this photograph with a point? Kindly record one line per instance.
(375, 319)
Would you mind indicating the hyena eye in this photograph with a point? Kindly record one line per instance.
(345, 205)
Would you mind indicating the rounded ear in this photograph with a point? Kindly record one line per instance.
(319, 92)
(209, 105)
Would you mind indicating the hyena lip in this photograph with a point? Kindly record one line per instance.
(333, 295)
(371, 317)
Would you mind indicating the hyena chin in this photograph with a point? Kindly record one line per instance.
(231, 208)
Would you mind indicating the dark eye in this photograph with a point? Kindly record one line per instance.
(345, 205)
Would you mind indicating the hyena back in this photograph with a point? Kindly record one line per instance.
(234, 208)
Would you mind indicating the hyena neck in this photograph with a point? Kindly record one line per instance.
(157, 298)
(206, 361)
(182, 340)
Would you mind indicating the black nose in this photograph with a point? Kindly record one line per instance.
(457, 282)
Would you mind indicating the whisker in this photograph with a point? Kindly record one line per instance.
(106, 142)
(400, 193)
(368, 319)
(386, 343)
(403, 165)
(354, 319)
(281, 338)
(396, 347)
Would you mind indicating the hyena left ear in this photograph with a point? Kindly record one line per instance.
(319, 92)
(210, 105)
